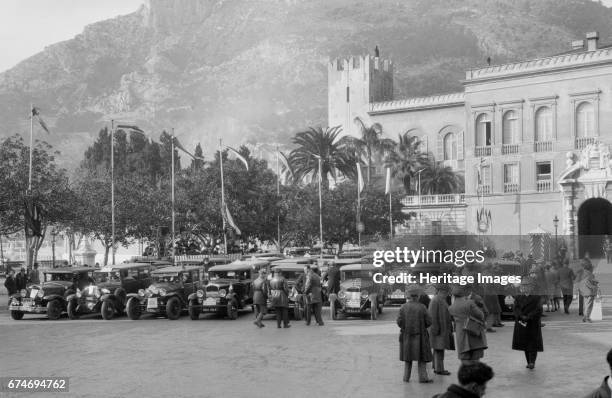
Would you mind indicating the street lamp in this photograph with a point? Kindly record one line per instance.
(556, 224)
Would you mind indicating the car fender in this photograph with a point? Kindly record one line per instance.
(52, 297)
(192, 296)
(108, 296)
(71, 297)
(170, 295)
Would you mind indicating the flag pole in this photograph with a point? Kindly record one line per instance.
(359, 212)
(173, 234)
(113, 190)
(320, 210)
(222, 194)
(31, 147)
(278, 231)
(390, 217)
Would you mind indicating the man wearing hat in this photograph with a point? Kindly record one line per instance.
(260, 297)
(470, 332)
(413, 320)
(527, 334)
(441, 330)
(312, 289)
(279, 298)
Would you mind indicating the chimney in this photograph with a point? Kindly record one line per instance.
(592, 39)
(577, 44)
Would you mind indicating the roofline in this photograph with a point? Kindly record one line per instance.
(449, 100)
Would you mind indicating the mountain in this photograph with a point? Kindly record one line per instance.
(256, 70)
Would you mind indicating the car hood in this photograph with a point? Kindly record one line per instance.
(360, 283)
(223, 283)
(109, 285)
(167, 286)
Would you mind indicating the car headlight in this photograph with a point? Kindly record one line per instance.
(23, 292)
(162, 292)
(40, 293)
(364, 294)
(341, 294)
(222, 293)
(141, 292)
(105, 291)
(200, 293)
(79, 293)
(153, 290)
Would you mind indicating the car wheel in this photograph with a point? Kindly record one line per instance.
(194, 312)
(173, 308)
(54, 309)
(121, 296)
(17, 315)
(107, 310)
(232, 309)
(72, 311)
(373, 307)
(333, 311)
(297, 312)
(133, 308)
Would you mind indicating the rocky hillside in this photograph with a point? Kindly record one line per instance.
(255, 70)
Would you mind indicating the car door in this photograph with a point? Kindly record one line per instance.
(131, 280)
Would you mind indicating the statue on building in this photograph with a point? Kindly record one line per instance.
(604, 155)
(570, 159)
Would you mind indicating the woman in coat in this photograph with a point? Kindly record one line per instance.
(441, 330)
(413, 321)
(260, 297)
(470, 346)
(527, 335)
(279, 298)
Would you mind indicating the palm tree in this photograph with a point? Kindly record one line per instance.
(407, 159)
(441, 180)
(315, 143)
(370, 144)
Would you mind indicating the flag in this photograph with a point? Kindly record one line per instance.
(130, 127)
(33, 218)
(285, 163)
(182, 148)
(388, 182)
(238, 155)
(229, 219)
(359, 178)
(36, 114)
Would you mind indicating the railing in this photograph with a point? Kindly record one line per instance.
(544, 186)
(508, 149)
(511, 187)
(484, 190)
(482, 151)
(428, 200)
(582, 142)
(543, 146)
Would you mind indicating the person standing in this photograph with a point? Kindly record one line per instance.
(527, 334)
(566, 282)
(34, 276)
(312, 289)
(491, 302)
(413, 320)
(441, 330)
(470, 341)
(21, 279)
(279, 298)
(10, 283)
(260, 297)
(605, 390)
(588, 288)
(333, 278)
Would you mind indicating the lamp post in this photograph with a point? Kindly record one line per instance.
(556, 224)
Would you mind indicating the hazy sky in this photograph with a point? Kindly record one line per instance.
(27, 26)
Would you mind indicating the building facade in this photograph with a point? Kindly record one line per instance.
(530, 137)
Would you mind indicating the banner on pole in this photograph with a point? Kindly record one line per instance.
(388, 182)
(36, 114)
(360, 183)
(238, 156)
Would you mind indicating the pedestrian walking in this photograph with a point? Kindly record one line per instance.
(441, 330)
(551, 278)
(279, 298)
(10, 283)
(21, 279)
(413, 320)
(527, 334)
(470, 335)
(605, 390)
(260, 297)
(312, 288)
(473, 379)
(566, 282)
(588, 287)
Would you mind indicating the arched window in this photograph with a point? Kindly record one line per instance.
(483, 130)
(585, 120)
(543, 124)
(510, 131)
(450, 146)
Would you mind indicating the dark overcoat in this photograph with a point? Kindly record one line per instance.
(413, 320)
(279, 292)
(260, 291)
(313, 287)
(527, 338)
(460, 311)
(333, 279)
(441, 330)
(566, 280)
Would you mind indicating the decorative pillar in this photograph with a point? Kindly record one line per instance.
(569, 219)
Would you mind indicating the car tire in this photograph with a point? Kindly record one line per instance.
(232, 309)
(54, 309)
(373, 307)
(194, 312)
(173, 308)
(121, 297)
(72, 311)
(333, 311)
(297, 312)
(17, 315)
(107, 310)
(133, 308)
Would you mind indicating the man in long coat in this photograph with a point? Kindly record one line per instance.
(441, 330)
(413, 320)
(260, 297)
(279, 298)
(527, 335)
(10, 283)
(566, 281)
(313, 291)
(470, 347)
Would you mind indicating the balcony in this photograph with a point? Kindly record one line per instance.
(543, 146)
(484, 190)
(582, 142)
(511, 187)
(482, 151)
(544, 186)
(432, 200)
(509, 149)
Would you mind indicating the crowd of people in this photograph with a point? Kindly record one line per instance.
(14, 283)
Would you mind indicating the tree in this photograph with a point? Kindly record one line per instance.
(407, 159)
(315, 143)
(440, 180)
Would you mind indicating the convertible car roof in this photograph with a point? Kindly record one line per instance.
(175, 269)
(118, 267)
(240, 265)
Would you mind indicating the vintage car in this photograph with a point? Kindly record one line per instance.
(168, 294)
(292, 269)
(396, 293)
(205, 263)
(358, 294)
(228, 289)
(50, 297)
(108, 294)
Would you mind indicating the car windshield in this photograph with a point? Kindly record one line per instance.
(357, 274)
(100, 277)
(165, 278)
(228, 275)
(292, 275)
(59, 277)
